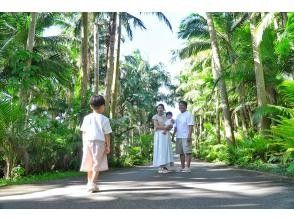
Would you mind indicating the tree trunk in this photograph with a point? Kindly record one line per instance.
(110, 63)
(242, 110)
(284, 18)
(200, 127)
(259, 76)
(96, 57)
(221, 82)
(196, 130)
(271, 94)
(84, 83)
(251, 118)
(107, 43)
(31, 34)
(217, 118)
(7, 171)
(25, 94)
(116, 72)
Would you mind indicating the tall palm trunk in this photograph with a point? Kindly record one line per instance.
(110, 63)
(259, 75)
(26, 96)
(116, 73)
(217, 113)
(84, 54)
(31, 34)
(96, 56)
(107, 40)
(201, 127)
(241, 92)
(221, 82)
(284, 18)
(217, 118)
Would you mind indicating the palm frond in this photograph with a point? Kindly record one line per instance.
(272, 111)
(193, 47)
(193, 26)
(239, 21)
(136, 21)
(161, 17)
(265, 22)
(10, 113)
(282, 134)
(286, 90)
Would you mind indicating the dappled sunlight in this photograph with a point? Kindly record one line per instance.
(132, 188)
(132, 91)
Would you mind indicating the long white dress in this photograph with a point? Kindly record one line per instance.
(162, 151)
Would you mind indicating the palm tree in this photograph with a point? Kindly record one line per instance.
(27, 94)
(84, 56)
(202, 38)
(115, 83)
(124, 21)
(31, 34)
(12, 134)
(256, 35)
(221, 82)
(110, 61)
(96, 54)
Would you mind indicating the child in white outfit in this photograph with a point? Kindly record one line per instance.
(96, 142)
(168, 122)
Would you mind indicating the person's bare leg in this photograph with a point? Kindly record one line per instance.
(182, 157)
(188, 159)
(90, 174)
(95, 177)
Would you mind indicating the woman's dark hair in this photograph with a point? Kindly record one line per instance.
(96, 101)
(159, 105)
(183, 103)
(169, 113)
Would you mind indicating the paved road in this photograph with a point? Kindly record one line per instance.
(208, 186)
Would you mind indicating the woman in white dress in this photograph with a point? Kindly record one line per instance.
(162, 151)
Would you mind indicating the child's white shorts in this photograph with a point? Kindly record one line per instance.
(94, 156)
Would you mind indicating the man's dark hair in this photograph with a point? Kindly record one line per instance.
(96, 101)
(169, 113)
(183, 103)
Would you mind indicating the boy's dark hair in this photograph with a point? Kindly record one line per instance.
(169, 113)
(97, 100)
(183, 103)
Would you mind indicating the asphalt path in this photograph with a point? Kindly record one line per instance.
(208, 186)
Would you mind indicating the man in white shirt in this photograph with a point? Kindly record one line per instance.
(183, 130)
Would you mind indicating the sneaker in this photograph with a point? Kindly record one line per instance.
(186, 170)
(92, 188)
(179, 170)
(165, 171)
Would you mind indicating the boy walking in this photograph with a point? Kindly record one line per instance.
(96, 142)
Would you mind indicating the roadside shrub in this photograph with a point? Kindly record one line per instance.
(17, 172)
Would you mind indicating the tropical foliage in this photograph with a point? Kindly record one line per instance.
(238, 81)
(46, 82)
(255, 53)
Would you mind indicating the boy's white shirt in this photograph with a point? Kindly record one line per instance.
(182, 124)
(95, 126)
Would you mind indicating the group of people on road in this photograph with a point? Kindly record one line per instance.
(183, 127)
(96, 132)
